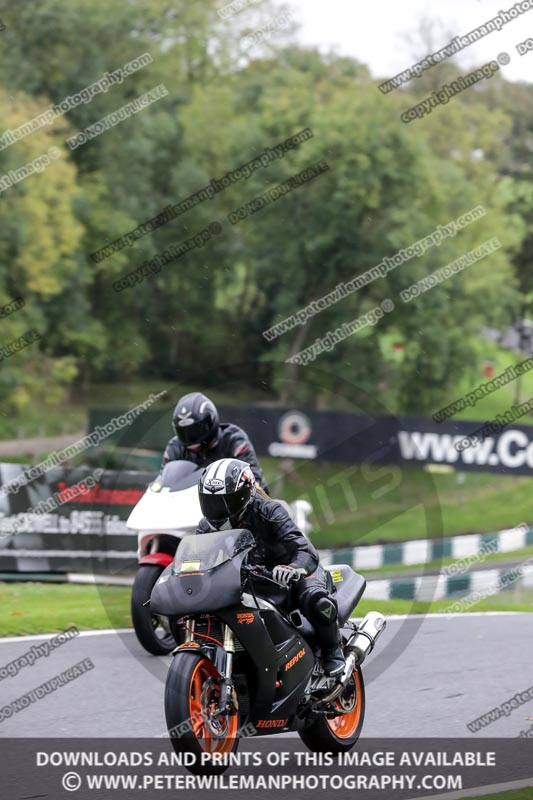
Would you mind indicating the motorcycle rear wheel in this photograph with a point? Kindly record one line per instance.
(190, 693)
(339, 734)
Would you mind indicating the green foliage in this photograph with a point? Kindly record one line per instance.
(388, 185)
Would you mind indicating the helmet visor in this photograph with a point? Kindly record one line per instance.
(214, 507)
(217, 508)
(192, 434)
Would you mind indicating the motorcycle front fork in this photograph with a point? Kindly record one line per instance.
(227, 702)
(227, 699)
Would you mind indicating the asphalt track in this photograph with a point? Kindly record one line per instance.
(428, 677)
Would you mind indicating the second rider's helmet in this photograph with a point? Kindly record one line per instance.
(195, 420)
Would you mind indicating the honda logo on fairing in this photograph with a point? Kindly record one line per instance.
(271, 723)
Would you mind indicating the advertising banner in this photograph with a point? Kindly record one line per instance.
(356, 438)
(68, 520)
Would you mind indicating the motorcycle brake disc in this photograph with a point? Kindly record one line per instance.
(347, 700)
(217, 724)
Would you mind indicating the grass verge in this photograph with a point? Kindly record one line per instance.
(32, 608)
(47, 608)
(358, 504)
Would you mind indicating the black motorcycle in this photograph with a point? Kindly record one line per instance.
(248, 665)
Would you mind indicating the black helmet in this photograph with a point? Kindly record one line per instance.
(195, 420)
(226, 489)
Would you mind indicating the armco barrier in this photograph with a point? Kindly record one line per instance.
(86, 534)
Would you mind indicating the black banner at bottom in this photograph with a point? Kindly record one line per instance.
(262, 767)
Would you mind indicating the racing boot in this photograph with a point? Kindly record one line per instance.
(333, 660)
(328, 639)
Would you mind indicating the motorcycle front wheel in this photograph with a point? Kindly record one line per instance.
(153, 636)
(339, 733)
(191, 696)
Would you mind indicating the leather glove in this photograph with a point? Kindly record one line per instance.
(286, 574)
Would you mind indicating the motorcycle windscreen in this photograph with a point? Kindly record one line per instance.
(208, 550)
(205, 576)
(178, 475)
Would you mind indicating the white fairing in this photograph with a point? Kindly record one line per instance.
(166, 511)
(173, 513)
(178, 513)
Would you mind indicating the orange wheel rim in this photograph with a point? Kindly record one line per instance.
(345, 725)
(211, 744)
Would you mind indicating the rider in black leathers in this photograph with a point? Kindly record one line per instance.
(203, 439)
(229, 499)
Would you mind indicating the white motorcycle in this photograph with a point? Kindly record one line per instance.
(168, 511)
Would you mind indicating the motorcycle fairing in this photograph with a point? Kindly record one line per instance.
(214, 584)
(270, 659)
(164, 511)
(197, 592)
(350, 588)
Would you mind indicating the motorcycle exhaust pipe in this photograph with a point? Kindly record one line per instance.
(357, 648)
(365, 637)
